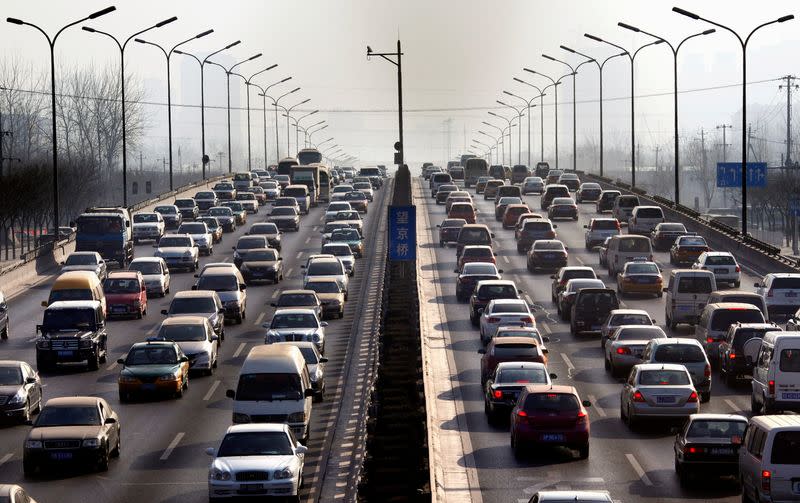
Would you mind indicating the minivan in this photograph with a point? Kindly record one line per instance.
(687, 294)
(738, 296)
(732, 363)
(473, 234)
(623, 207)
(301, 194)
(551, 192)
(274, 387)
(508, 191)
(591, 308)
(781, 292)
(625, 248)
(438, 179)
(77, 285)
(769, 468)
(716, 319)
(776, 372)
(643, 219)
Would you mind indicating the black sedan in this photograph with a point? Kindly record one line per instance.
(20, 391)
(708, 445)
(471, 274)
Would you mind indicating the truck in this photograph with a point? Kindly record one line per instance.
(72, 331)
(475, 169)
(308, 176)
(309, 156)
(375, 176)
(542, 168)
(107, 231)
(285, 165)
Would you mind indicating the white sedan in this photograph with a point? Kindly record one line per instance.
(267, 455)
(502, 312)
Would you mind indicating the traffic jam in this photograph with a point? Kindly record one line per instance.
(102, 286)
(710, 327)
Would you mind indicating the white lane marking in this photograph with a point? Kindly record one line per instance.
(639, 470)
(505, 258)
(299, 254)
(5, 458)
(172, 445)
(289, 271)
(308, 239)
(567, 361)
(114, 363)
(316, 228)
(732, 405)
(239, 350)
(211, 391)
(580, 261)
(546, 328)
(226, 259)
(275, 294)
(259, 319)
(595, 407)
(528, 299)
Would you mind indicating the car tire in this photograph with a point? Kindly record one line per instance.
(4, 333)
(755, 407)
(102, 463)
(606, 364)
(28, 469)
(615, 372)
(124, 397)
(683, 476)
(515, 447)
(93, 362)
(583, 451)
(705, 396)
(118, 448)
(730, 379)
(736, 284)
(631, 421)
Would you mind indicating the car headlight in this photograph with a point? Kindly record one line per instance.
(127, 379)
(286, 473)
(217, 474)
(168, 377)
(238, 417)
(33, 444)
(315, 337)
(91, 442)
(296, 417)
(43, 344)
(243, 267)
(236, 255)
(187, 253)
(17, 399)
(85, 343)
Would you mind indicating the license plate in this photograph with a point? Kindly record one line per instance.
(684, 308)
(790, 396)
(245, 488)
(595, 327)
(118, 309)
(665, 399)
(66, 354)
(548, 255)
(258, 274)
(148, 387)
(553, 437)
(61, 456)
(720, 271)
(721, 451)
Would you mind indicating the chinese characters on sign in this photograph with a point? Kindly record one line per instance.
(402, 233)
(729, 174)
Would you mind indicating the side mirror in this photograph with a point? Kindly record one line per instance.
(164, 312)
(214, 337)
(553, 276)
(184, 359)
(300, 449)
(211, 451)
(302, 267)
(221, 310)
(242, 286)
(62, 262)
(30, 380)
(555, 226)
(566, 248)
(38, 328)
(309, 393)
(323, 360)
(491, 234)
(323, 323)
(155, 245)
(265, 325)
(545, 339)
(480, 311)
(585, 226)
(273, 304)
(230, 393)
(654, 321)
(665, 289)
(196, 275)
(520, 292)
(757, 284)
(233, 248)
(247, 233)
(438, 225)
(586, 403)
(44, 303)
(194, 287)
(121, 361)
(280, 258)
(110, 420)
(499, 271)
(481, 351)
(553, 376)
(455, 270)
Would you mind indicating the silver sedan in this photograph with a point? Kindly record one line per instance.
(658, 391)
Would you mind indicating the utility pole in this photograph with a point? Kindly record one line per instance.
(789, 78)
(703, 149)
(3, 134)
(725, 145)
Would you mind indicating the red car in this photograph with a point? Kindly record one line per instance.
(126, 294)
(550, 415)
(476, 253)
(462, 210)
(509, 349)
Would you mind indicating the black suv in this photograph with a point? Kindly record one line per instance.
(606, 200)
(486, 291)
(591, 308)
(732, 363)
(72, 331)
(188, 208)
(565, 274)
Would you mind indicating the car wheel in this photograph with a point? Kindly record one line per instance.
(615, 372)
(124, 397)
(583, 451)
(705, 396)
(730, 379)
(140, 314)
(736, 284)
(4, 333)
(118, 448)
(631, 420)
(239, 319)
(102, 463)
(94, 361)
(606, 364)
(518, 454)
(28, 468)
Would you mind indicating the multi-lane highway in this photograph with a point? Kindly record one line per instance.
(163, 441)
(632, 466)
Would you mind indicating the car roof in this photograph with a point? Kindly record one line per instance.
(67, 401)
(184, 320)
(520, 365)
(661, 366)
(738, 306)
(509, 301)
(294, 310)
(508, 341)
(147, 259)
(194, 294)
(776, 421)
(674, 340)
(717, 417)
(550, 388)
(577, 496)
(629, 311)
(124, 274)
(298, 291)
(72, 304)
(497, 282)
(10, 363)
(257, 427)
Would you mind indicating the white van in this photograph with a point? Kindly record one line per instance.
(687, 294)
(781, 292)
(776, 372)
(623, 207)
(769, 464)
(644, 219)
(274, 387)
(716, 319)
(626, 248)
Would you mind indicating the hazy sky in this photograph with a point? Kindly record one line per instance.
(459, 57)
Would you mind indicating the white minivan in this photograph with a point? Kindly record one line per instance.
(687, 294)
(769, 466)
(626, 248)
(274, 387)
(644, 219)
(776, 372)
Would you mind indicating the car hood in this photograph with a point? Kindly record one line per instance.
(201, 236)
(64, 432)
(260, 263)
(145, 225)
(330, 296)
(173, 251)
(224, 218)
(294, 331)
(244, 463)
(77, 334)
(10, 389)
(283, 217)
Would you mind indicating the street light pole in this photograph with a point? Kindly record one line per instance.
(528, 105)
(541, 111)
(247, 84)
(287, 114)
(323, 142)
(519, 132)
(275, 104)
(510, 129)
(264, 97)
(501, 142)
(744, 93)
(311, 135)
(122, 47)
(495, 140)
(632, 58)
(167, 55)
(554, 84)
(52, 44)
(675, 50)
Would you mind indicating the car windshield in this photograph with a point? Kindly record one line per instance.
(204, 195)
(510, 308)
(218, 282)
(245, 196)
(121, 285)
(790, 360)
(220, 212)
(235, 206)
(672, 227)
(145, 218)
(255, 443)
(341, 206)
(223, 186)
(183, 333)
(642, 269)
(650, 213)
(269, 185)
(477, 252)
(630, 319)
(692, 241)
(355, 196)
(786, 283)
(604, 225)
(152, 355)
(575, 285)
(337, 250)
(472, 235)
(147, 268)
(193, 228)
(326, 268)
(679, 353)
(324, 286)
(348, 215)
(537, 226)
(10, 376)
(282, 178)
(285, 201)
(627, 202)
(345, 235)
(284, 211)
(269, 387)
(296, 299)
(563, 200)
(81, 259)
(261, 256)
(508, 351)
(638, 334)
(552, 402)
(68, 319)
(578, 273)
(190, 305)
(717, 428)
(211, 223)
(170, 241)
(482, 269)
(184, 203)
(632, 244)
(509, 200)
(548, 245)
(362, 185)
(294, 320)
(695, 284)
(663, 377)
(166, 210)
(73, 415)
(264, 229)
(342, 188)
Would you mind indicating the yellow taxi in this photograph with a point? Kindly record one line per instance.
(640, 277)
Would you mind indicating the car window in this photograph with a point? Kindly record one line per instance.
(497, 292)
(552, 402)
(694, 284)
(294, 320)
(791, 283)
(643, 333)
(717, 429)
(183, 333)
(191, 305)
(121, 285)
(679, 353)
(510, 308)
(630, 319)
(516, 350)
(218, 282)
(10, 376)
(521, 376)
(663, 378)
(786, 448)
(151, 355)
(627, 245)
(269, 387)
(77, 415)
(720, 260)
(650, 213)
(724, 318)
(790, 360)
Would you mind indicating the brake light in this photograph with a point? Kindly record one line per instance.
(526, 319)
(582, 417)
(616, 222)
(493, 319)
(732, 356)
(709, 340)
(522, 413)
(637, 397)
(692, 397)
(766, 479)
(498, 394)
(623, 351)
(771, 387)
(693, 450)
(707, 371)
(738, 269)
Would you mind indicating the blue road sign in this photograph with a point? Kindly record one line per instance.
(729, 174)
(402, 233)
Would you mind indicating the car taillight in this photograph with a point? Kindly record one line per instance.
(738, 269)
(623, 351)
(526, 319)
(637, 397)
(692, 397)
(493, 319)
(551, 235)
(522, 413)
(707, 371)
(693, 450)
(771, 387)
(732, 356)
(582, 417)
(498, 394)
(709, 340)
(766, 479)
(617, 224)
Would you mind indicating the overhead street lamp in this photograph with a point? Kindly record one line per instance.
(600, 67)
(744, 93)
(502, 139)
(276, 105)
(122, 47)
(52, 44)
(554, 83)
(632, 58)
(323, 142)
(312, 133)
(574, 105)
(228, 73)
(519, 132)
(287, 114)
(202, 63)
(541, 110)
(495, 140)
(297, 127)
(528, 105)
(510, 136)
(167, 55)
(264, 96)
(247, 83)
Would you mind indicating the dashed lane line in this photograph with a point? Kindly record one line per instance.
(308, 239)
(226, 259)
(275, 294)
(299, 255)
(732, 405)
(259, 319)
(546, 328)
(596, 407)
(172, 445)
(114, 364)
(566, 359)
(505, 259)
(239, 350)
(5, 458)
(580, 261)
(211, 391)
(639, 470)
